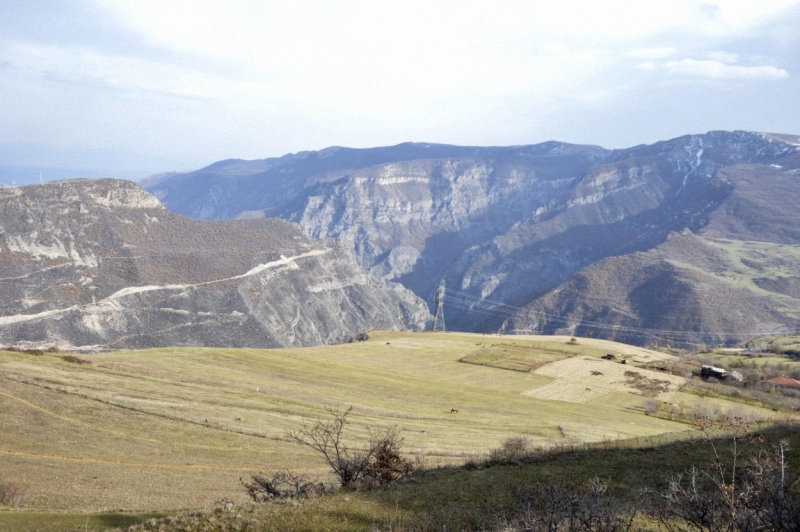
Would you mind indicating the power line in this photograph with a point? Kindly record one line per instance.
(468, 302)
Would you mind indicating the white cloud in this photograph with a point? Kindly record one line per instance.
(652, 53)
(724, 57)
(718, 70)
(562, 51)
(79, 66)
(252, 78)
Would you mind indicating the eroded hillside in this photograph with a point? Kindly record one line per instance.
(104, 264)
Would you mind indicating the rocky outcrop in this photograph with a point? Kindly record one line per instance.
(103, 264)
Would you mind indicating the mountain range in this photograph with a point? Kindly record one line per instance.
(693, 240)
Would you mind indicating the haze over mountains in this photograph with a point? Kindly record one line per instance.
(697, 235)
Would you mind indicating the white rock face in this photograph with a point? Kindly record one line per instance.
(102, 264)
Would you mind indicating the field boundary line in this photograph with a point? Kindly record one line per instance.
(149, 464)
(116, 433)
(133, 409)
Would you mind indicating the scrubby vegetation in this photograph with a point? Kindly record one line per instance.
(186, 428)
(731, 477)
(756, 366)
(377, 462)
(75, 360)
(12, 493)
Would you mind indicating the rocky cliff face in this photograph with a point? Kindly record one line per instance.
(104, 264)
(688, 291)
(510, 224)
(736, 278)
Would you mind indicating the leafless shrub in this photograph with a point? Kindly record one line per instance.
(733, 493)
(651, 406)
(386, 464)
(36, 352)
(771, 495)
(282, 485)
(562, 505)
(12, 493)
(75, 360)
(376, 461)
(514, 450)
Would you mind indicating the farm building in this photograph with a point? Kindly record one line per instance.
(785, 382)
(719, 373)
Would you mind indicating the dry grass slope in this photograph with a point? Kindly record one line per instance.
(165, 429)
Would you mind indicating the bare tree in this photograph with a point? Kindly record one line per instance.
(707, 498)
(378, 458)
(733, 493)
(771, 494)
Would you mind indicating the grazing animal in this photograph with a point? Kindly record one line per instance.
(588, 389)
(387, 343)
(453, 411)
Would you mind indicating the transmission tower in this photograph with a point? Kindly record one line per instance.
(438, 309)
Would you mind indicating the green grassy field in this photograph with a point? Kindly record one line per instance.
(750, 261)
(168, 429)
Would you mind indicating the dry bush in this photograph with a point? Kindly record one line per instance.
(386, 464)
(376, 461)
(738, 491)
(514, 450)
(36, 352)
(12, 493)
(282, 485)
(75, 360)
(651, 406)
(562, 505)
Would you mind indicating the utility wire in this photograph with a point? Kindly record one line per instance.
(468, 302)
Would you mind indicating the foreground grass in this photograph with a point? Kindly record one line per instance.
(175, 429)
(17, 521)
(449, 498)
(169, 429)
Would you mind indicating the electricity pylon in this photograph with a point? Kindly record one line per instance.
(438, 309)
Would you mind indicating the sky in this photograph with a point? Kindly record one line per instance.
(131, 88)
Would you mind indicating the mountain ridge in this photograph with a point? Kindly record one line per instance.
(506, 224)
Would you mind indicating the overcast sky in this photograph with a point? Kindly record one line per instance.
(148, 86)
